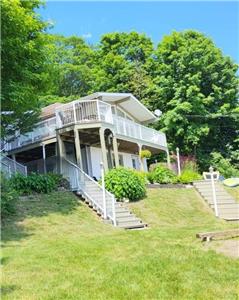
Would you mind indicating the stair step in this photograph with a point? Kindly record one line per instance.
(123, 214)
(132, 225)
(226, 206)
(130, 218)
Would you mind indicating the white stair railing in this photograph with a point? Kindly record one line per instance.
(10, 166)
(80, 181)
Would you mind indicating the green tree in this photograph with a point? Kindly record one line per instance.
(22, 52)
(121, 63)
(70, 63)
(196, 87)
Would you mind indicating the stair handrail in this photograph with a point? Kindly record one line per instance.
(13, 166)
(80, 186)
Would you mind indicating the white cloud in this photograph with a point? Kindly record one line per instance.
(87, 35)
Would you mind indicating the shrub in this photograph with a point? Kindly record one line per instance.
(223, 165)
(38, 183)
(162, 174)
(150, 177)
(125, 183)
(188, 176)
(60, 180)
(8, 197)
(142, 175)
(145, 154)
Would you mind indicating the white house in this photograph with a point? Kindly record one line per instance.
(74, 138)
(102, 127)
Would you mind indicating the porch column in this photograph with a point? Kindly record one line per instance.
(115, 149)
(60, 148)
(77, 147)
(103, 148)
(140, 159)
(14, 159)
(44, 157)
(168, 159)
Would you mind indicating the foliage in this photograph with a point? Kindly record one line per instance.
(223, 165)
(125, 183)
(8, 197)
(150, 177)
(60, 180)
(162, 174)
(38, 183)
(23, 57)
(188, 176)
(145, 154)
(142, 175)
(197, 87)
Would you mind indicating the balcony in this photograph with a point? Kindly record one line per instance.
(43, 130)
(97, 111)
(85, 112)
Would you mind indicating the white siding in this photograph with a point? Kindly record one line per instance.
(96, 158)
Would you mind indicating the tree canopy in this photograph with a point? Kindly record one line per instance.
(22, 53)
(197, 90)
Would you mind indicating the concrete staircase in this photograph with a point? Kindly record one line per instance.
(124, 217)
(228, 208)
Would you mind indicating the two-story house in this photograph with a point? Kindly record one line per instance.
(102, 127)
(83, 139)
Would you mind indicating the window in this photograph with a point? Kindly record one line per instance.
(121, 160)
(134, 163)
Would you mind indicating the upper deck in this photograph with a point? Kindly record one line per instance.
(91, 112)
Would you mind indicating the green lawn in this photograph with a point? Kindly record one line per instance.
(234, 192)
(56, 248)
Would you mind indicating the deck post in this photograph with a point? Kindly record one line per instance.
(77, 147)
(44, 157)
(115, 149)
(60, 147)
(140, 159)
(103, 148)
(168, 159)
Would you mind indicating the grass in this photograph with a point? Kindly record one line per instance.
(56, 248)
(234, 191)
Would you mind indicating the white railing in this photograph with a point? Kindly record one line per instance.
(129, 128)
(83, 112)
(10, 167)
(80, 181)
(42, 130)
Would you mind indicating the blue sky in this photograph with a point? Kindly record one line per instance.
(217, 19)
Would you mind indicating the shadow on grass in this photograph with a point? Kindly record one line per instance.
(7, 289)
(13, 228)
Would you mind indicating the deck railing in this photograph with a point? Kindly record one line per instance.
(129, 128)
(83, 112)
(43, 129)
(10, 167)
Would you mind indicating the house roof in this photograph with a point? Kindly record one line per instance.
(128, 102)
(49, 111)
